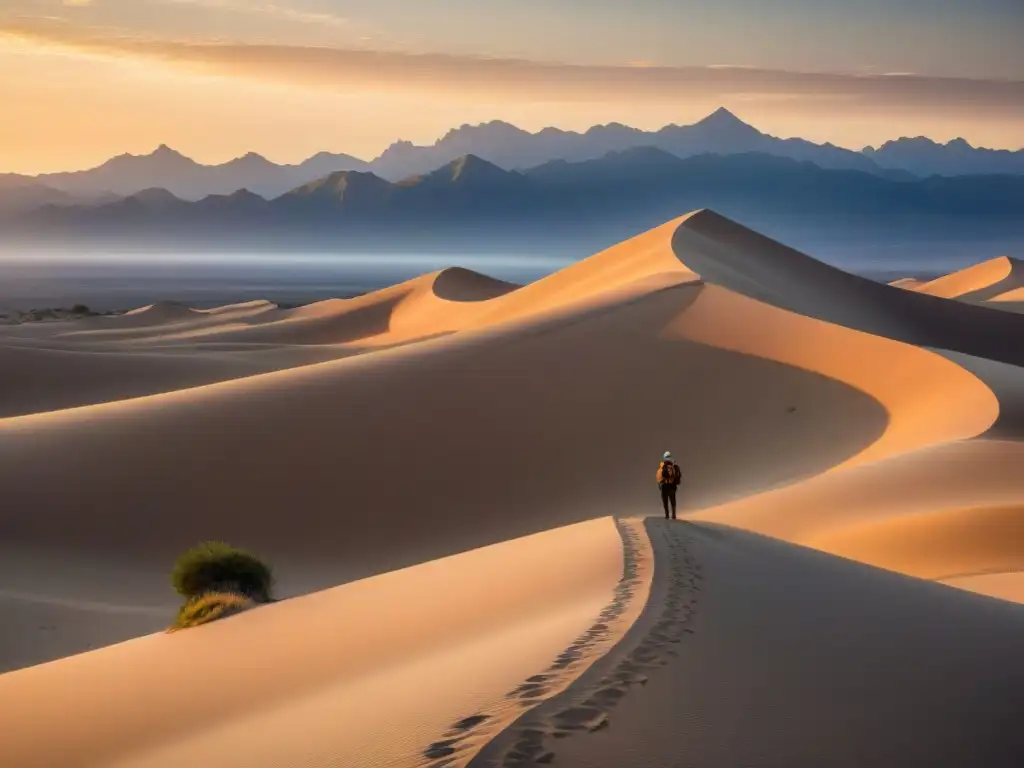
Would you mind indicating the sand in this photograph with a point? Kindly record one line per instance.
(483, 620)
(907, 283)
(980, 282)
(774, 655)
(1005, 586)
(438, 465)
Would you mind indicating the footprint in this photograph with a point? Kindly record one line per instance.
(470, 722)
(439, 749)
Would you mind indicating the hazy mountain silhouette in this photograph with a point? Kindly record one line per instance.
(20, 194)
(510, 148)
(166, 168)
(513, 148)
(600, 199)
(924, 157)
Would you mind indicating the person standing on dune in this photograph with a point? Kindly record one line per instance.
(668, 480)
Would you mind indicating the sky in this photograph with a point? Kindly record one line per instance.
(83, 80)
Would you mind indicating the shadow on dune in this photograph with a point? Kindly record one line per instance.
(759, 652)
(744, 261)
(458, 284)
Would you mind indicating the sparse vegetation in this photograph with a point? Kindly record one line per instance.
(210, 607)
(218, 580)
(50, 314)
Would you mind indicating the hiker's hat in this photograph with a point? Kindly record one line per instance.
(666, 455)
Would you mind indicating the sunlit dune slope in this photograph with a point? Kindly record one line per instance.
(907, 283)
(939, 512)
(723, 252)
(365, 674)
(977, 283)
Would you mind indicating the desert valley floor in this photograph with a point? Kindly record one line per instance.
(454, 480)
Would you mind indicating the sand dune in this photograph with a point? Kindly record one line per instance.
(166, 347)
(1003, 586)
(312, 670)
(960, 489)
(1015, 295)
(432, 304)
(244, 307)
(907, 283)
(351, 438)
(46, 379)
(746, 262)
(980, 282)
(936, 545)
(759, 653)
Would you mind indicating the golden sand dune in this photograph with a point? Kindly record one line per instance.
(980, 282)
(749, 263)
(440, 302)
(165, 347)
(939, 544)
(160, 320)
(1014, 295)
(1004, 586)
(161, 312)
(803, 403)
(323, 661)
(907, 283)
(48, 379)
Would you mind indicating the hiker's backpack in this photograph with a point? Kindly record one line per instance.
(669, 473)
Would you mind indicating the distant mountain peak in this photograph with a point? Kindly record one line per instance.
(722, 117)
(959, 143)
(244, 194)
(164, 151)
(342, 184)
(470, 163)
(249, 159)
(155, 196)
(491, 126)
(470, 167)
(325, 155)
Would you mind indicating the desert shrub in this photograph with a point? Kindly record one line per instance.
(210, 607)
(214, 566)
(80, 309)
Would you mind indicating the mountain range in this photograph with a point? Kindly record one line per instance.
(504, 145)
(601, 199)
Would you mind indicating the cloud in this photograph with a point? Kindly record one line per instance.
(76, 3)
(272, 10)
(367, 70)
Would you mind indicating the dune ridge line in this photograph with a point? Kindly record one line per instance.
(652, 642)
(465, 737)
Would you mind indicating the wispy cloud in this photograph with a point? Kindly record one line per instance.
(272, 10)
(356, 70)
(76, 3)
